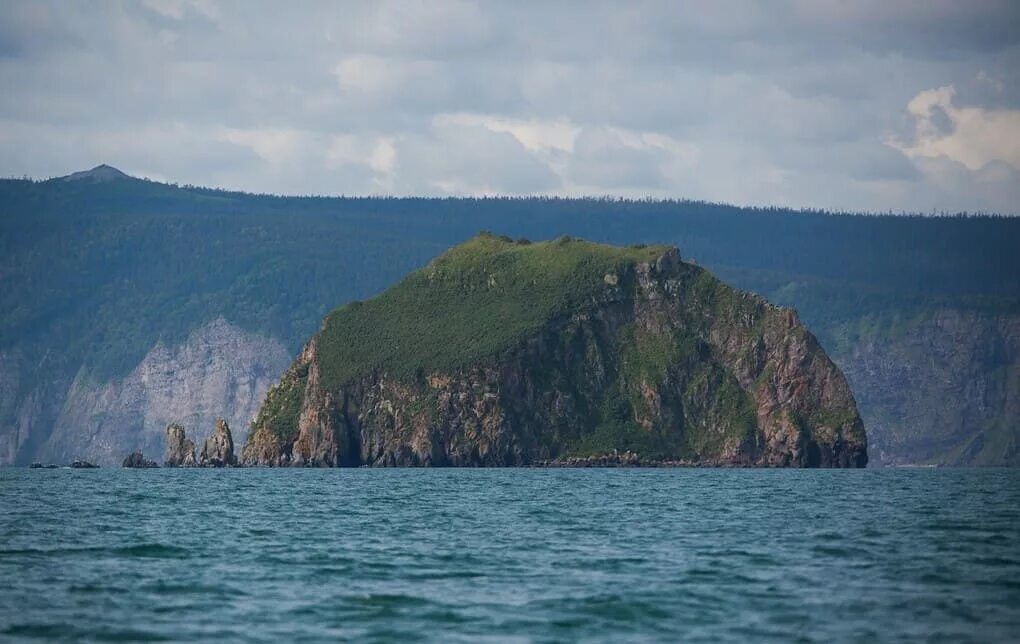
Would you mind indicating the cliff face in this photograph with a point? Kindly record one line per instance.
(32, 389)
(651, 355)
(941, 388)
(219, 371)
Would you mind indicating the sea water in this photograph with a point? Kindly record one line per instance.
(510, 554)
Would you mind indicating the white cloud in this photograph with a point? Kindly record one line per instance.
(383, 158)
(534, 134)
(275, 145)
(619, 160)
(371, 75)
(469, 160)
(971, 135)
(178, 9)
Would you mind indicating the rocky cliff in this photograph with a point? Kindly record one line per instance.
(939, 386)
(504, 353)
(32, 390)
(219, 371)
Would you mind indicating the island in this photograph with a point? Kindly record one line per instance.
(505, 352)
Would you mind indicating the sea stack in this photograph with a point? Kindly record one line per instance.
(180, 450)
(218, 450)
(504, 353)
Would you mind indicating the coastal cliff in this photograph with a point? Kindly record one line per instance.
(502, 353)
(218, 371)
(940, 387)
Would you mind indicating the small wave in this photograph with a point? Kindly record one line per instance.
(841, 551)
(68, 631)
(428, 575)
(614, 608)
(151, 551)
(389, 601)
(47, 552)
(167, 588)
(96, 589)
(146, 550)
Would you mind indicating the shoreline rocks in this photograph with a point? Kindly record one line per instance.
(630, 459)
(137, 460)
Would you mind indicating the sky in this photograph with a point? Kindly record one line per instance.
(873, 105)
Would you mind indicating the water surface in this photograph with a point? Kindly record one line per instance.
(529, 555)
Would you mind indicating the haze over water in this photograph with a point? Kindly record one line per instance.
(540, 555)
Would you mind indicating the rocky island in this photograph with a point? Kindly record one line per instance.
(511, 353)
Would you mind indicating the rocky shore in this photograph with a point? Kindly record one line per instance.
(631, 459)
(628, 459)
(137, 460)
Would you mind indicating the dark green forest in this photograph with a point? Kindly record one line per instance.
(105, 270)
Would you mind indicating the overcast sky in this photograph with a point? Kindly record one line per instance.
(877, 105)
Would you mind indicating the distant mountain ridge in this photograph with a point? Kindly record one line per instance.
(920, 313)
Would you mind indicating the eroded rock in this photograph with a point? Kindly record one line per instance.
(218, 450)
(180, 450)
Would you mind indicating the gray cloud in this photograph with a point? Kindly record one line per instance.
(604, 160)
(817, 103)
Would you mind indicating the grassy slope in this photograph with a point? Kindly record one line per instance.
(467, 305)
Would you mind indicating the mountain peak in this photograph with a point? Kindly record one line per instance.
(99, 174)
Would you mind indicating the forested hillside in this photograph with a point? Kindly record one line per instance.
(94, 274)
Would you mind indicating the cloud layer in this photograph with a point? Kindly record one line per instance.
(864, 105)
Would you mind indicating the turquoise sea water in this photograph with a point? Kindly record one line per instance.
(528, 555)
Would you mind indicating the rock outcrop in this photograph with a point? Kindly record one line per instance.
(501, 353)
(218, 450)
(180, 450)
(137, 460)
